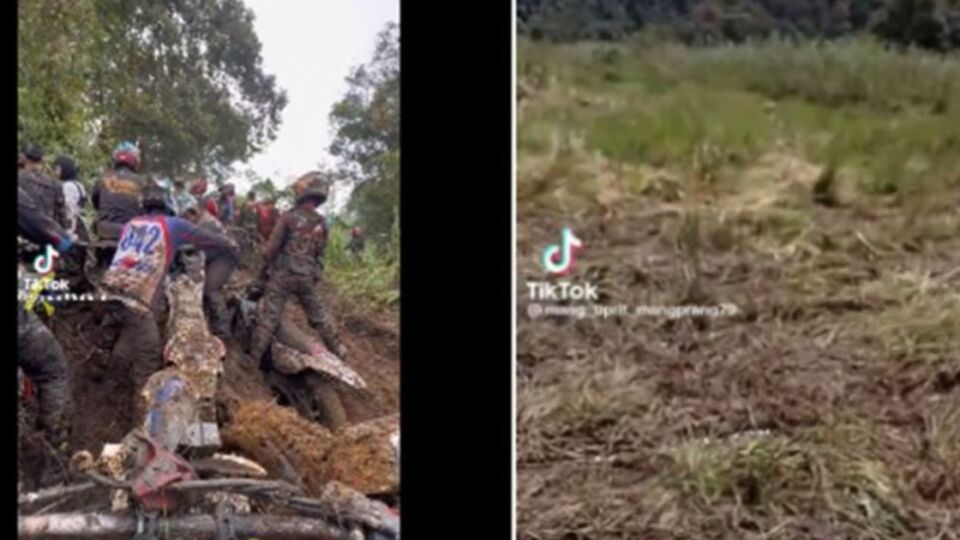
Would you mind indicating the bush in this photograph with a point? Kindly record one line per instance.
(374, 279)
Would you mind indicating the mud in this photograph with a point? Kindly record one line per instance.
(102, 395)
(363, 457)
(307, 454)
(287, 445)
(828, 407)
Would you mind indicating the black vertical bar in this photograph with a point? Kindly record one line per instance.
(456, 222)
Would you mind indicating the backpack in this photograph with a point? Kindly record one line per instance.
(82, 202)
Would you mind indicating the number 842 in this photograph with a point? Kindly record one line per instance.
(140, 239)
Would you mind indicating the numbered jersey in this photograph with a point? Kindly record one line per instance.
(144, 254)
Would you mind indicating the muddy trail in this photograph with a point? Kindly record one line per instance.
(827, 406)
(102, 393)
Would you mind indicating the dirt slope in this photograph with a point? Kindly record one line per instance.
(102, 392)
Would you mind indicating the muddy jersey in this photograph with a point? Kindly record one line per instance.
(145, 252)
(117, 198)
(37, 227)
(302, 241)
(228, 247)
(143, 256)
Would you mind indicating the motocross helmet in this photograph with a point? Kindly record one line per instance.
(198, 187)
(312, 185)
(156, 197)
(127, 153)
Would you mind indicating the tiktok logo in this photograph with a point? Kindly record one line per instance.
(44, 263)
(558, 258)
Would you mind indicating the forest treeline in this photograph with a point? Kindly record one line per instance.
(928, 24)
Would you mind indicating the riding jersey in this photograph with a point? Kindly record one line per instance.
(145, 252)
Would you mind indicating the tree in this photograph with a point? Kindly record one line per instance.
(185, 77)
(57, 42)
(931, 24)
(366, 125)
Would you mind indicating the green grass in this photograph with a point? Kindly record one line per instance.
(894, 117)
(373, 280)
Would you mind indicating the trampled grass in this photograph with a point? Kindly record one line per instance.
(814, 186)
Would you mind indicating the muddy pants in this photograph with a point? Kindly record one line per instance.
(217, 273)
(41, 358)
(138, 340)
(280, 285)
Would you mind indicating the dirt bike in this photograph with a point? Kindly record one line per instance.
(300, 368)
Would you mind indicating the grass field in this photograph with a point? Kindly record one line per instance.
(890, 117)
(817, 188)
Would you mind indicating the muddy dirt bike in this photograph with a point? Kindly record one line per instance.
(300, 368)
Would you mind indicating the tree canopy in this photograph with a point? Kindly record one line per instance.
(366, 124)
(183, 77)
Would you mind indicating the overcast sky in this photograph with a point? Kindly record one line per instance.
(310, 46)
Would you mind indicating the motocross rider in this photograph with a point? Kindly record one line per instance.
(291, 267)
(133, 280)
(116, 195)
(45, 191)
(227, 204)
(220, 265)
(267, 216)
(356, 242)
(39, 354)
(207, 202)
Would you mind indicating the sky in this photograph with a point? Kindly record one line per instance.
(310, 46)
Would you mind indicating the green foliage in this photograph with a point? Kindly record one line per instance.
(844, 104)
(56, 53)
(183, 78)
(367, 136)
(932, 24)
(374, 279)
(848, 72)
(366, 121)
(563, 20)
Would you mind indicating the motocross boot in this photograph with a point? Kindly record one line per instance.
(58, 434)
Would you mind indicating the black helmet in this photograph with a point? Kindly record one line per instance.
(156, 197)
(33, 153)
